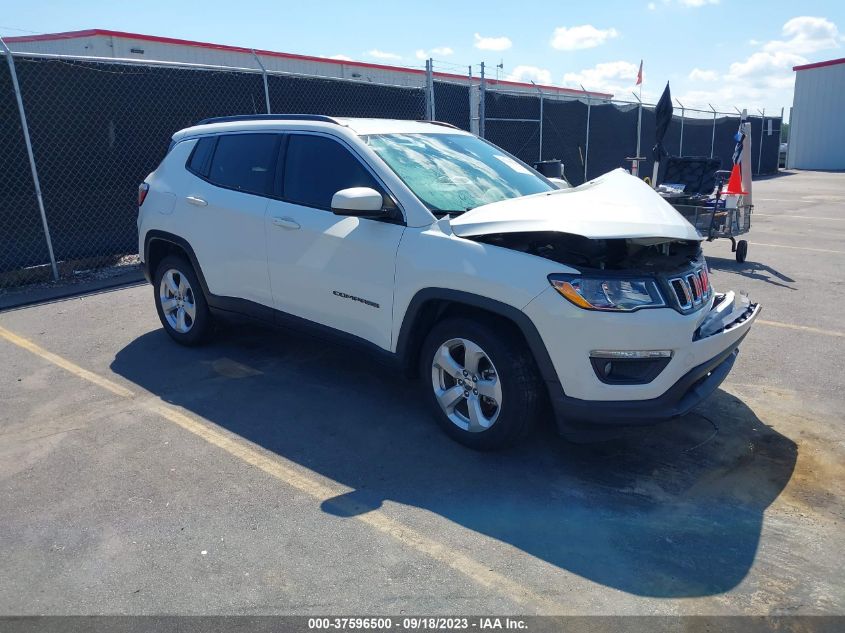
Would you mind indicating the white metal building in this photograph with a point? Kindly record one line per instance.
(817, 123)
(120, 45)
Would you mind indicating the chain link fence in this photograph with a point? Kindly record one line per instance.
(593, 136)
(98, 127)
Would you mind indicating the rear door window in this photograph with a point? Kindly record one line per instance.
(317, 167)
(245, 162)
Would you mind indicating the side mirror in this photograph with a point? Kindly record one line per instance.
(361, 202)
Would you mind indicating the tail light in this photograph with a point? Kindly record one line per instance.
(143, 188)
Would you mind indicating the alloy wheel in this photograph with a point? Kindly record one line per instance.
(466, 385)
(178, 302)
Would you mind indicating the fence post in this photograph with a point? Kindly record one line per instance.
(587, 139)
(31, 156)
(762, 131)
(473, 109)
(482, 113)
(541, 125)
(540, 158)
(263, 76)
(681, 144)
(429, 89)
(789, 149)
(713, 136)
(636, 164)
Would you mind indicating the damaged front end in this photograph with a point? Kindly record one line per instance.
(619, 274)
(642, 335)
(627, 248)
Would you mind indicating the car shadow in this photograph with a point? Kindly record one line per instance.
(674, 510)
(752, 270)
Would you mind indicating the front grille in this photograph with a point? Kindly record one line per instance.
(691, 290)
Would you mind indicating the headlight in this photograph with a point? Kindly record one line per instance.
(617, 295)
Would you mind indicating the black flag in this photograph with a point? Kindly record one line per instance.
(663, 117)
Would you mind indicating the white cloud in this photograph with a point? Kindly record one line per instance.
(530, 73)
(440, 51)
(614, 77)
(805, 34)
(771, 66)
(759, 66)
(343, 58)
(500, 43)
(578, 37)
(382, 54)
(686, 4)
(703, 75)
(765, 78)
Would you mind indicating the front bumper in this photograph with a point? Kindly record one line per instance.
(682, 397)
(704, 348)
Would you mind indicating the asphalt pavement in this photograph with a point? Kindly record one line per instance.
(268, 473)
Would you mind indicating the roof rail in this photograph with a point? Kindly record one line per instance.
(443, 123)
(269, 117)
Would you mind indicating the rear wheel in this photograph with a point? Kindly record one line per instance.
(180, 302)
(481, 382)
(741, 251)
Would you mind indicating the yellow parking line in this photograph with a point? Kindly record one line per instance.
(73, 368)
(803, 328)
(315, 486)
(799, 248)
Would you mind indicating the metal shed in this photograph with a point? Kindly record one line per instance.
(817, 126)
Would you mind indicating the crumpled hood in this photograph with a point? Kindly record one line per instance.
(613, 206)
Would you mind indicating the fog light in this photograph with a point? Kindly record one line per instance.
(649, 353)
(629, 367)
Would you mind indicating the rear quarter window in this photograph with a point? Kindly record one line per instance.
(200, 159)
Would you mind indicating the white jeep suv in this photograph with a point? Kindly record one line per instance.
(449, 257)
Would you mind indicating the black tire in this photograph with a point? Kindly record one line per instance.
(201, 323)
(521, 386)
(741, 251)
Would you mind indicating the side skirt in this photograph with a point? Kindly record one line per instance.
(236, 310)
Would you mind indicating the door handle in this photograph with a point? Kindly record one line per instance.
(197, 202)
(286, 223)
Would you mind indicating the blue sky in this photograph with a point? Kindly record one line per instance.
(724, 52)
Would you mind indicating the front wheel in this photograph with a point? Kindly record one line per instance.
(741, 251)
(180, 302)
(481, 382)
